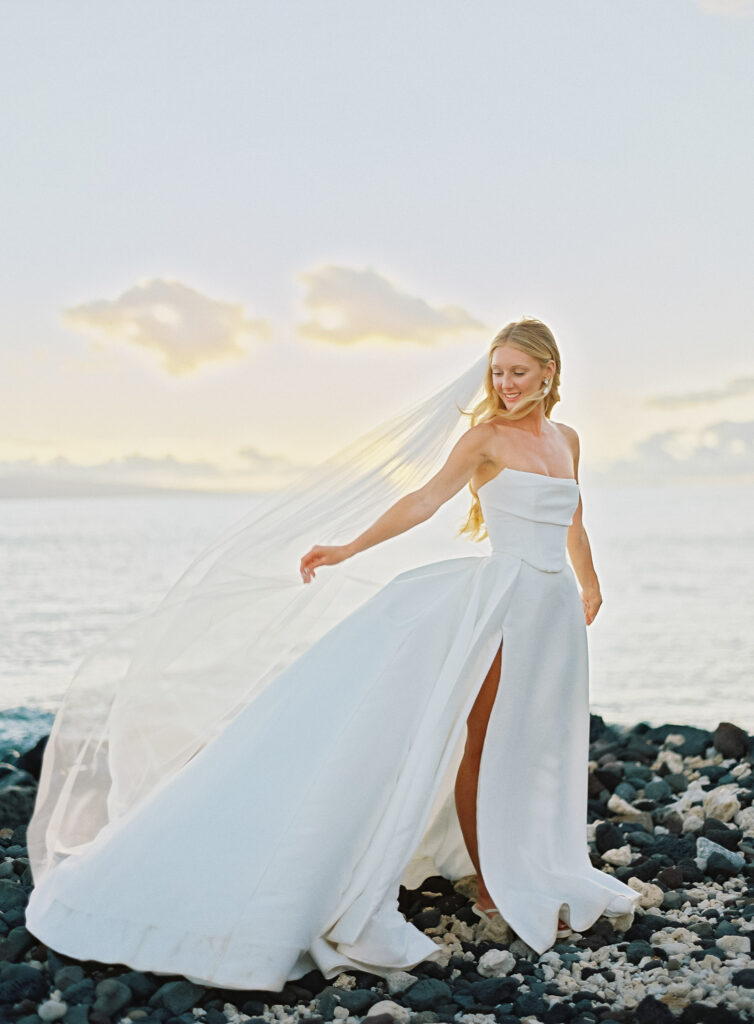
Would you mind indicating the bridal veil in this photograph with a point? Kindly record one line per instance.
(149, 697)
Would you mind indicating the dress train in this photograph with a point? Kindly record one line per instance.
(280, 846)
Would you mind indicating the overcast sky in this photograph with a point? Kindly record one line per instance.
(237, 234)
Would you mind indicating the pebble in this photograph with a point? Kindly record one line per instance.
(496, 963)
(399, 981)
(621, 855)
(398, 1013)
(671, 815)
(51, 1009)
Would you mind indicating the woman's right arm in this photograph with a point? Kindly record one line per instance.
(470, 452)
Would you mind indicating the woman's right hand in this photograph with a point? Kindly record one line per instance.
(592, 601)
(321, 555)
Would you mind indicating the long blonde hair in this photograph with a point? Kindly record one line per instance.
(535, 339)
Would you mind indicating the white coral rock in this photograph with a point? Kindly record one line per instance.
(401, 1014)
(399, 981)
(745, 820)
(649, 895)
(496, 963)
(345, 981)
(721, 803)
(618, 805)
(693, 821)
(671, 758)
(51, 1009)
(618, 856)
(733, 944)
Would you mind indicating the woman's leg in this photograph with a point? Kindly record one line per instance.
(468, 771)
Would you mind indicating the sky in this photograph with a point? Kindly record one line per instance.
(238, 234)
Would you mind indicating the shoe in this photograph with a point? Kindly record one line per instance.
(564, 924)
(485, 915)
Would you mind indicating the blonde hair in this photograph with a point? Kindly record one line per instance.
(535, 339)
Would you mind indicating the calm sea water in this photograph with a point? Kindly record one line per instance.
(673, 641)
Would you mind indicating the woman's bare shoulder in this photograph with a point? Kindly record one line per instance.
(480, 439)
(569, 434)
(482, 432)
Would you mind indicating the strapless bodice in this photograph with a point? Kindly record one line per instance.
(528, 514)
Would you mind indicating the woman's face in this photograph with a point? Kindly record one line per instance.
(515, 374)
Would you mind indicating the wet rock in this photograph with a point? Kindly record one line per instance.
(31, 760)
(112, 995)
(80, 1015)
(358, 1000)
(671, 877)
(658, 790)
(426, 994)
(16, 943)
(652, 1011)
(731, 741)
(80, 992)
(141, 986)
(625, 791)
(607, 837)
(20, 981)
(694, 743)
(491, 991)
(16, 804)
(327, 1000)
(68, 975)
(177, 996)
(13, 896)
(677, 781)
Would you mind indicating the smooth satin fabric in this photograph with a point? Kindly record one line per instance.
(280, 846)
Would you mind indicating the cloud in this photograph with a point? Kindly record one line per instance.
(724, 449)
(185, 328)
(736, 388)
(731, 8)
(141, 474)
(346, 306)
(261, 462)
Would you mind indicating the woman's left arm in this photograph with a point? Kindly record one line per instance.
(579, 549)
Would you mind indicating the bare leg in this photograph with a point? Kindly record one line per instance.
(467, 779)
(468, 770)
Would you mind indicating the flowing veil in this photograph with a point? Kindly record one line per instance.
(143, 702)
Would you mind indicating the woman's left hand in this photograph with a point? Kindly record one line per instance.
(591, 600)
(321, 555)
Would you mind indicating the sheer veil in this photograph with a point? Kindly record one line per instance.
(143, 702)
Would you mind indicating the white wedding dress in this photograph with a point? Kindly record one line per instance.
(280, 846)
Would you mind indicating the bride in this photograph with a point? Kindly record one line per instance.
(320, 747)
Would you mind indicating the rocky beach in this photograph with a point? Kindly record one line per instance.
(670, 814)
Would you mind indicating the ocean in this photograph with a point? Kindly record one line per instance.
(673, 641)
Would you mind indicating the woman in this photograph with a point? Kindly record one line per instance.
(263, 773)
(512, 427)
